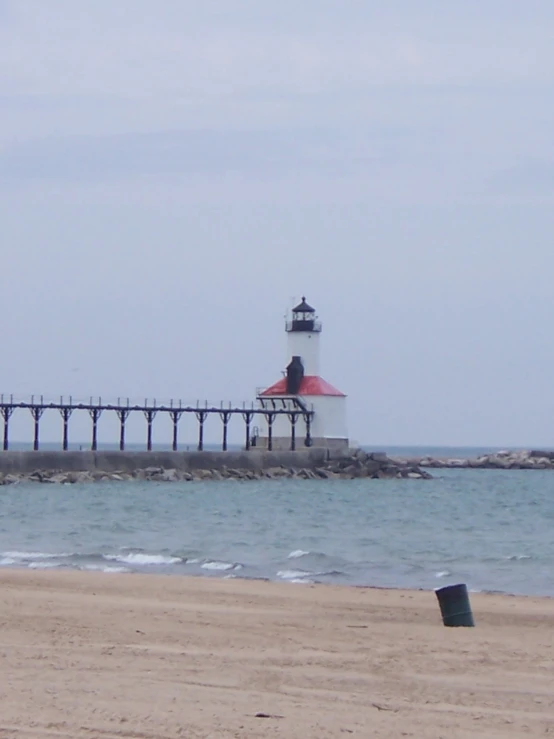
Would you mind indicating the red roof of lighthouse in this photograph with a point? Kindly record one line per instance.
(310, 385)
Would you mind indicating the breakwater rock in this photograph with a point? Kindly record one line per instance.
(376, 465)
(505, 460)
(316, 464)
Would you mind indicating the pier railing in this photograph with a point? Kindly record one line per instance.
(95, 406)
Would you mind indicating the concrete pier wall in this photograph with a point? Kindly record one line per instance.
(12, 462)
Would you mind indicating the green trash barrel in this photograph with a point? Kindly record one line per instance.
(455, 606)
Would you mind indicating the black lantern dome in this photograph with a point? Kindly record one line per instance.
(304, 318)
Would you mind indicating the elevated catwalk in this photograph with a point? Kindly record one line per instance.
(37, 406)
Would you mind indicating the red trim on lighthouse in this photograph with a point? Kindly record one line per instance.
(310, 385)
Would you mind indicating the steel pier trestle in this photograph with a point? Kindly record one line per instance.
(123, 408)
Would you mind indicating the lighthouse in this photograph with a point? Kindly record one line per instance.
(302, 388)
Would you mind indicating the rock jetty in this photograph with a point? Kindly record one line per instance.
(505, 460)
(376, 465)
(355, 464)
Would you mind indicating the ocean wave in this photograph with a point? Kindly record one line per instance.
(221, 566)
(35, 560)
(141, 559)
(293, 574)
(297, 554)
(104, 568)
(28, 556)
(309, 560)
(296, 576)
(443, 573)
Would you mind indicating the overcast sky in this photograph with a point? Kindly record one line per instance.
(173, 173)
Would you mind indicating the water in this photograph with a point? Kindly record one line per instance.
(489, 528)
(439, 452)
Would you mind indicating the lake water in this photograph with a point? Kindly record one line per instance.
(491, 529)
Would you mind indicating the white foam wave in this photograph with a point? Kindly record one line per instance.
(193, 561)
(443, 573)
(7, 561)
(222, 566)
(297, 554)
(143, 559)
(43, 565)
(104, 568)
(27, 556)
(298, 575)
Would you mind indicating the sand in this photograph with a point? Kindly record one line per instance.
(154, 657)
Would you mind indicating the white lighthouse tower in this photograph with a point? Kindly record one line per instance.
(302, 387)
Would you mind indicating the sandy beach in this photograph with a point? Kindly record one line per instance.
(116, 655)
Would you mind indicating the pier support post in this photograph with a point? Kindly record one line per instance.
(95, 414)
(149, 414)
(175, 418)
(7, 413)
(308, 420)
(66, 412)
(293, 419)
(248, 416)
(270, 419)
(225, 417)
(201, 416)
(36, 412)
(123, 414)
